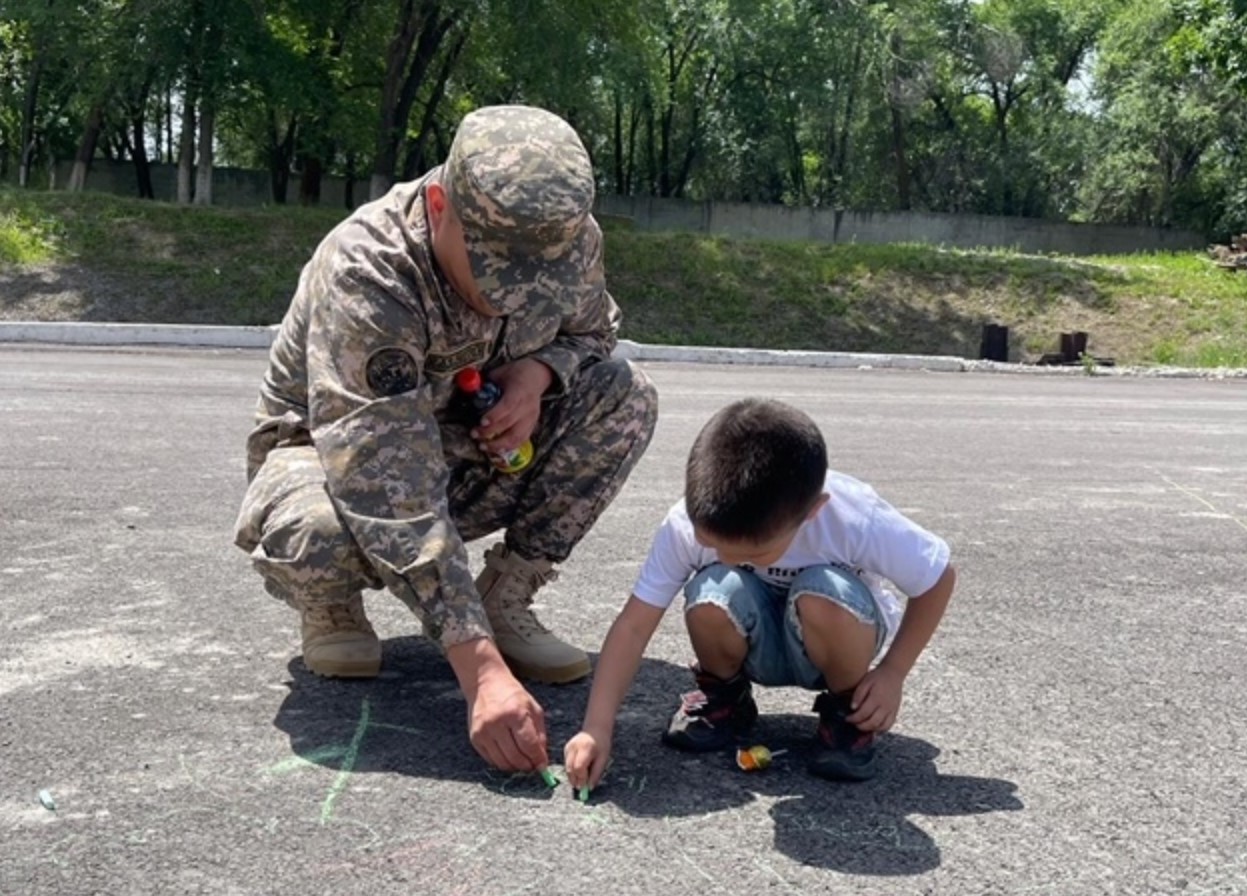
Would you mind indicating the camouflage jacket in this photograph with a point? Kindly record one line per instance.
(363, 368)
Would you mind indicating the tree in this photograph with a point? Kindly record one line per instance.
(1161, 117)
(422, 29)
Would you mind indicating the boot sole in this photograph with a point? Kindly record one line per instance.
(364, 669)
(548, 675)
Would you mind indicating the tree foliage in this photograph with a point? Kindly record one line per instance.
(1126, 111)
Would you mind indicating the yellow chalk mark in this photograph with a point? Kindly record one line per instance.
(1202, 500)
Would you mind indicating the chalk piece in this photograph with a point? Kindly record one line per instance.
(45, 797)
(583, 794)
(549, 778)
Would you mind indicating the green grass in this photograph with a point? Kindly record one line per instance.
(176, 264)
(239, 266)
(27, 235)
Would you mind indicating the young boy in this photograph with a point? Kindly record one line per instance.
(782, 563)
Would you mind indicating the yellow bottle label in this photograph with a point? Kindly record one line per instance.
(516, 460)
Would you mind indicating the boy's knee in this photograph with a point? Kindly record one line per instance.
(838, 639)
(815, 610)
(712, 616)
(838, 589)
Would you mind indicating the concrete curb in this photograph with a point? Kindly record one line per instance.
(636, 351)
(79, 333)
(207, 336)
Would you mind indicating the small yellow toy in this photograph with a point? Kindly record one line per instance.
(755, 759)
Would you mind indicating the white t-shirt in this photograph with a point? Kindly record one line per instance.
(855, 528)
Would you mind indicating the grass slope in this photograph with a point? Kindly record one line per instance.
(100, 257)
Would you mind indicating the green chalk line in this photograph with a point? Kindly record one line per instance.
(348, 763)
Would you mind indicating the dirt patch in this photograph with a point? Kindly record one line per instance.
(72, 292)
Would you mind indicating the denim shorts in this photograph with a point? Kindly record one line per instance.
(766, 615)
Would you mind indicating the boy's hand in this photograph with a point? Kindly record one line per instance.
(585, 758)
(877, 699)
(508, 727)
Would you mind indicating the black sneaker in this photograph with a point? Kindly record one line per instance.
(714, 716)
(842, 752)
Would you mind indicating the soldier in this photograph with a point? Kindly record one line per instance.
(361, 472)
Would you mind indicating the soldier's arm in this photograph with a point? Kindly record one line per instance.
(589, 331)
(372, 421)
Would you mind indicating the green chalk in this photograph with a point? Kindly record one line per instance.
(549, 778)
(583, 794)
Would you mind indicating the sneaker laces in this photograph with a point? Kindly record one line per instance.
(694, 703)
(711, 698)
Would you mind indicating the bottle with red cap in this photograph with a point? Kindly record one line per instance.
(484, 395)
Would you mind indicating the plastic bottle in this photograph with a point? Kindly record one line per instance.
(484, 395)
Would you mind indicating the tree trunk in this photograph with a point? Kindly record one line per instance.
(396, 53)
(903, 200)
(310, 177)
(416, 157)
(1002, 102)
(617, 127)
(186, 152)
(665, 128)
(137, 113)
(168, 156)
(796, 160)
(694, 134)
(634, 122)
(86, 148)
(420, 30)
(280, 154)
(348, 187)
(30, 106)
(142, 167)
(841, 143)
(203, 171)
(651, 148)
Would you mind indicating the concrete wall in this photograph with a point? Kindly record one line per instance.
(234, 186)
(230, 186)
(832, 226)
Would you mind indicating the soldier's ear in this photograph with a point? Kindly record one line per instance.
(435, 200)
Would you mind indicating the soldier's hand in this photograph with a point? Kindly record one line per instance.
(507, 726)
(513, 420)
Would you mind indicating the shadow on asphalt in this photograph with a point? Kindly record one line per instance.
(410, 721)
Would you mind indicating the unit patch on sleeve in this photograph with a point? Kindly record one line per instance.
(392, 371)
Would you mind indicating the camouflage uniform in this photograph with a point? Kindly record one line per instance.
(362, 471)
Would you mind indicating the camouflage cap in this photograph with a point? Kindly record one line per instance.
(521, 183)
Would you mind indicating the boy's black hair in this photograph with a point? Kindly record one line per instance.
(755, 469)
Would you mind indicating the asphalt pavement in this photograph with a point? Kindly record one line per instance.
(1077, 726)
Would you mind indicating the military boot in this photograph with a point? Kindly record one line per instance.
(507, 585)
(339, 642)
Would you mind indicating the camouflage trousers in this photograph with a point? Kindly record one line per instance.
(585, 446)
